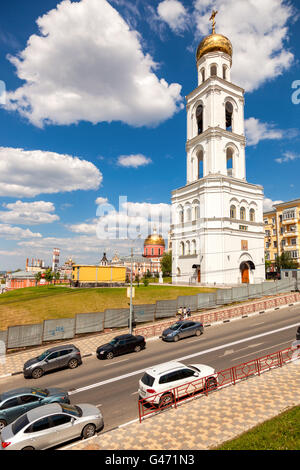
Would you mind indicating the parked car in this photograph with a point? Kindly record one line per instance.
(51, 425)
(17, 402)
(58, 357)
(182, 329)
(161, 379)
(121, 345)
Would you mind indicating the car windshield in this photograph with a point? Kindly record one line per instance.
(175, 326)
(42, 356)
(71, 410)
(147, 379)
(19, 424)
(39, 391)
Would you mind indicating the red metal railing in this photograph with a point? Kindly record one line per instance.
(225, 377)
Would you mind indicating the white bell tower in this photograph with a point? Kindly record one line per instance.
(217, 232)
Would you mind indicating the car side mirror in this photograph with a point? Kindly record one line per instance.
(72, 421)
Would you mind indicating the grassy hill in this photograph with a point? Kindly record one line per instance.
(35, 304)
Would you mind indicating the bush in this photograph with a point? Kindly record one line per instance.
(146, 282)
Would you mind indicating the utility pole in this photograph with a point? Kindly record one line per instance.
(131, 306)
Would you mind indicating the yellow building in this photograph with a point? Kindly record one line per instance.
(282, 231)
(98, 276)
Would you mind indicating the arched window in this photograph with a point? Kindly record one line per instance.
(232, 212)
(188, 214)
(180, 215)
(229, 116)
(252, 215)
(203, 75)
(243, 213)
(194, 247)
(159, 251)
(200, 164)
(224, 72)
(229, 161)
(199, 117)
(188, 248)
(213, 71)
(181, 248)
(196, 210)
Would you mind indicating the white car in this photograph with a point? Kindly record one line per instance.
(161, 379)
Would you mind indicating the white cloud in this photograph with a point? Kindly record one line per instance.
(29, 173)
(268, 204)
(87, 65)
(174, 14)
(101, 200)
(258, 31)
(15, 233)
(133, 161)
(257, 131)
(128, 222)
(288, 157)
(29, 213)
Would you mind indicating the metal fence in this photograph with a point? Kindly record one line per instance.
(204, 385)
(83, 323)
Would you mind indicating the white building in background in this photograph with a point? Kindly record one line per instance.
(217, 235)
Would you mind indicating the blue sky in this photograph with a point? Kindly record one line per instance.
(95, 108)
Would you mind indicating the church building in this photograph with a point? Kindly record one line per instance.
(217, 230)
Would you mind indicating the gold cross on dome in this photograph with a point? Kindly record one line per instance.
(213, 19)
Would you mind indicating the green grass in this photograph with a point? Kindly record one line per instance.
(280, 433)
(35, 304)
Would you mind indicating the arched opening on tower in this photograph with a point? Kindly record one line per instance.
(246, 267)
(200, 164)
(229, 161)
(229, 116)
(213, 71)
(199, 117)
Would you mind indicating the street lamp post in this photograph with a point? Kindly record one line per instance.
(131, 280)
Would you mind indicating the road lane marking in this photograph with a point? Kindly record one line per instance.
(113, 363)
(270, 347)
(183, 358)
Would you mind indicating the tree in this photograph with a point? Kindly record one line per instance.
(284, 261)
(49, 276)
(37, 277)
(166, 263)
(56, 277)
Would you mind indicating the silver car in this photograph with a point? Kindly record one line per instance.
(182, 329)
(51, 425)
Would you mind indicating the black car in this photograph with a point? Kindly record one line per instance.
(182, 329)
(58, 357)
(121, 345)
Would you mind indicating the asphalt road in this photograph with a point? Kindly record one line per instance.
(112, 385)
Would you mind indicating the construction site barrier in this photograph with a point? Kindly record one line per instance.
(202, 386)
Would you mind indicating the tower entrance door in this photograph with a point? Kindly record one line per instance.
(245, 273)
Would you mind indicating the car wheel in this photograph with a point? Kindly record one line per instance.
(37, 373)
(137, 348)
(28, 448)
(73, 363)
(3, 423)
(88, 431)
(176, 338)
(211, 383)
(198, 332)
(110, 355)
(166, 400)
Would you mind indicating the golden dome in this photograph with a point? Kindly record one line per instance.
(214, 42)
(154, 239)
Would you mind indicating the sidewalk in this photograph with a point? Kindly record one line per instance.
(207, 421)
